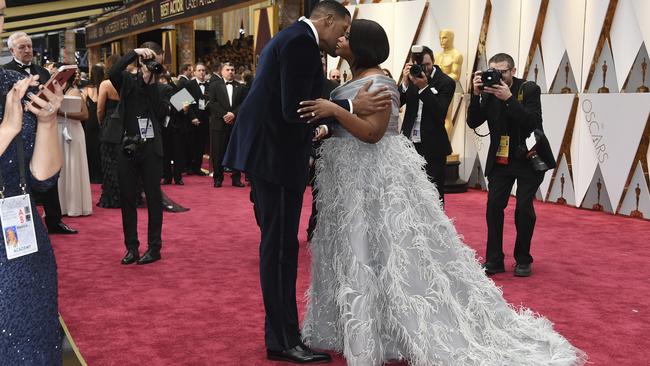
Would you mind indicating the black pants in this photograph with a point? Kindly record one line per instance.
(218, 143)
(173, 146)
(51, 205)
(197, 139)
(499, 188)
(145, 166)
(278, 209)
(436, 168)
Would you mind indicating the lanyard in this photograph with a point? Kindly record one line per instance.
(21, 168)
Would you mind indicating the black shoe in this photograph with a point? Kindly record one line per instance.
(149, 256)
(131, 256)
(523, 270)
(60, 228)
(167, 181)
(492, 268)
(298, 354)
(238, 184)
(200, 173)
(217, 184)
(180, 182)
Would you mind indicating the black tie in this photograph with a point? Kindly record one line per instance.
(228, 82)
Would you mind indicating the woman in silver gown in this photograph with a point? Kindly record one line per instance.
(391, 279)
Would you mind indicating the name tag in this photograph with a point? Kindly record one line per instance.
(504, 150)
(18, 226)
(415, 135)
(146, 128)
(201, 104)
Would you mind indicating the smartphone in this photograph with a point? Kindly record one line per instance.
(62, 75)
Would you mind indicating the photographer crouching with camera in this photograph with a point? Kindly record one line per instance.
(427, 92)
(142, 110)
(513, 111)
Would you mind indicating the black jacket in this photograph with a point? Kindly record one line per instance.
(513, 117)
(137, 97)
(270, 141)
(434, 109)
(219, 103)
(34, 69)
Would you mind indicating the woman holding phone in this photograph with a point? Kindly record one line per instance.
(32, 335)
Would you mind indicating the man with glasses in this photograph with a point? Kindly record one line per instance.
(512, 108)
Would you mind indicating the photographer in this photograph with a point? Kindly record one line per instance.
(427, 92)
(513, 110)
(142, 111)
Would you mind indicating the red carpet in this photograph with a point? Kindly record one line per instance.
(201, 304)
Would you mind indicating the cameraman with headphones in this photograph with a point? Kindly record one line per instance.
(142, 112)
(513, 110)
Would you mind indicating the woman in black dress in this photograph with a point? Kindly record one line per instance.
(110, 138)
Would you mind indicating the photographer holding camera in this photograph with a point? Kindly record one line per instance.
(513, 110)
(427, 92)
(142, 110)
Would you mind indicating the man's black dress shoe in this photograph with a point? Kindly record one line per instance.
(523, 270)
(166, 181)
(131, 256)
(61, 228)
(493, 268)
(200, 173)
(298, 354)
(180, 182)
(149, 256)
(238, 184)
(217, 184)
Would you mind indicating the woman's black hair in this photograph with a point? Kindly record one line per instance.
(96, 75)
(369, 43)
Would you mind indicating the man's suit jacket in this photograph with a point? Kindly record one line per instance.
(34, 69)
(219, 103)
(182, 82)
(195, 90)
(270, 141)
(434, 136)
(512, 117)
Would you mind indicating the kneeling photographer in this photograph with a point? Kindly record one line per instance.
(142, 110)
(513, 110)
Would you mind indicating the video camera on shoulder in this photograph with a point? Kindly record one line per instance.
(417, 54)
(491, 77)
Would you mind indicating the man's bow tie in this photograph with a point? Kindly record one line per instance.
(229, 83)
(24, 67)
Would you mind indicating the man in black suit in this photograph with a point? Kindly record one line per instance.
(224, 101)
(184, 77)
(216, 72)
(174, 135)
(513, 110)
(272, 143)
(199, 119)
(427, 97)
(20, 45)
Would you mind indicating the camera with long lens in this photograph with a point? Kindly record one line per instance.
(417, 54)
(491, 77)
(153, 66)
(130, 145)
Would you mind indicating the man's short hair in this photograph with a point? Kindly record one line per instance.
(200, 64)
(14, 36)
(227, 64)
(185, 67)
(330, 7)
(500, 57)
(155, 47)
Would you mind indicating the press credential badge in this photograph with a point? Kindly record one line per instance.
(18, 226)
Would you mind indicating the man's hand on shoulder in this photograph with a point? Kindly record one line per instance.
(367, 103)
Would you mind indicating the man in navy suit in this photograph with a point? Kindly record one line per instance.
(271, 143)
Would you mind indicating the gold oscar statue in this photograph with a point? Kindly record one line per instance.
(562, 200)
(637, 191)
(644, 69)
(604, 89)
(566, 89)
(597, 206)
(450, 61)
